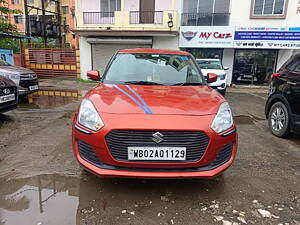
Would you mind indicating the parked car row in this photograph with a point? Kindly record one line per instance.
(15, 82)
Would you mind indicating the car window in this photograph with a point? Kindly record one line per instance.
(214, 65)
(297, 68)
(163, 69)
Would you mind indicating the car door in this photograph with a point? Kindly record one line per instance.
(294, 82)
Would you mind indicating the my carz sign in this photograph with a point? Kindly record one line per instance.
(202, 37)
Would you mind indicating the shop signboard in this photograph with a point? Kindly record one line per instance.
(206, 37)
(267, 37)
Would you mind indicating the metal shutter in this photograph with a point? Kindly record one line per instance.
(101, 53)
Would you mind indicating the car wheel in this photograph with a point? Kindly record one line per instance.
(279, 120)
(223, 92)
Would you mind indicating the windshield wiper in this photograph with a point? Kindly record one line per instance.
(187, 84)
(142, 83)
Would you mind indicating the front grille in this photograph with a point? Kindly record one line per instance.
(195, 142)
(12, 90)
(31, 76)
(223, 156)
(28, 83)
(87, 153)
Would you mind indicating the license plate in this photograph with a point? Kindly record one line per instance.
(33, 88)
(7, 98)
(157, 153)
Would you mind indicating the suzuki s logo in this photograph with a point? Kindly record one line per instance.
(189, 35)
(6, 91)
(157, 137)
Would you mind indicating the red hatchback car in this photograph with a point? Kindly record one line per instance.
(153, 116)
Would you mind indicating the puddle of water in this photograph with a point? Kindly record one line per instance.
(45, 200)
(54, 199)
(49, 99)
(239, 120)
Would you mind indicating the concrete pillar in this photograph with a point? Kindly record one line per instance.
(228, 57)
(122, 5)
(173, 6)
(85, 57)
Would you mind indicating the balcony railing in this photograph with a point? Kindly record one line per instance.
(146, 17)
(99, 17)
(205, 19)
(129, 21)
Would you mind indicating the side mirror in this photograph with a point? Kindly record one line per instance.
(93, 75)
(226, 68)
(212, 77)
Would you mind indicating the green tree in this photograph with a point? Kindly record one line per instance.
(5, 26)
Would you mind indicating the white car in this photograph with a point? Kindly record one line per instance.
(214, 66)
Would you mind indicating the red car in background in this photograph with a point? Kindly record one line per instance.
(153, 116)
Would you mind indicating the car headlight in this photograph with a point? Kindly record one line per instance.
(11, 76)
(223, 120)
(222, 76)
(89, 117)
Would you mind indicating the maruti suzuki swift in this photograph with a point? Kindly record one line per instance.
(152, 115)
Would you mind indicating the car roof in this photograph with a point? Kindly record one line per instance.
(153, 51)
(208, 60)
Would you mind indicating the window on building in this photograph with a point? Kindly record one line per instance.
(272, 8)
(205, 12)
(18, 19)
(65, 9)
(15, 2)
(206, 53)
(110, 5)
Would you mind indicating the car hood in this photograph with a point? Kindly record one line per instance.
(15, 70)
(218, 72)
(161, 100)
(4, 82)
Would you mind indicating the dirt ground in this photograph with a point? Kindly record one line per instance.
(41, 182)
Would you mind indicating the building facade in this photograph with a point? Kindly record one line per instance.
(16, 19)
(105, 26)
(67, 11)
(252, 37)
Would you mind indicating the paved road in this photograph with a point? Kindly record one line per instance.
(41, 183)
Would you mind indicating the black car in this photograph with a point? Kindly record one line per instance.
(8, 95)
(283, 104)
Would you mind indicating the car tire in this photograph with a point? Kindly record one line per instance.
(223, 92)
(279, 120)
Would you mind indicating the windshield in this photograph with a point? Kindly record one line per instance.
(153, 69)
(214, 65)
(3, 63)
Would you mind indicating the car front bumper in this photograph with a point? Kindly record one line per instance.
(102, 163)
(25, 91)
(8, 106)
(219, 85)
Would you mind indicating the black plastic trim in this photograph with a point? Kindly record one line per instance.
(87, 153)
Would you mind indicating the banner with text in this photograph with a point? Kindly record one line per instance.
(267, 37)
(239, 37)
(206, 37)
